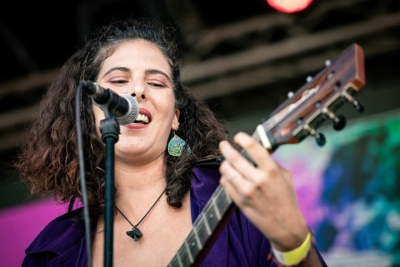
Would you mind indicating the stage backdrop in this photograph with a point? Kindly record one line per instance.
(348, 190)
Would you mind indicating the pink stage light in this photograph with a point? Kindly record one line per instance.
(289, 6)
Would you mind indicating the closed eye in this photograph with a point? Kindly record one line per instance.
(156, 84)
(119, 81)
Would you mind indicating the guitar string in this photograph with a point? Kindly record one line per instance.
(278, 116)
(182, 252)
(273, 121)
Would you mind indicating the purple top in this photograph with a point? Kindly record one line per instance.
(62, 241)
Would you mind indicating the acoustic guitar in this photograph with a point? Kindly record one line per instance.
(294, 120)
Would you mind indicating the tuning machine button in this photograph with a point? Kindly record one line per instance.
(319, 137)
(328, 63)
(356, 104)
(339, 122)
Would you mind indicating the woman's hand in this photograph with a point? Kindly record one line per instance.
(265, 194)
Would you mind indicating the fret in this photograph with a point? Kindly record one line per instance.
(223, 201)
(180, 262)
(176, 261)
(212, 212)
(192, 246)
(214, 207)
(196, 234)
(203, 219)
(185, 258)
(203, 231)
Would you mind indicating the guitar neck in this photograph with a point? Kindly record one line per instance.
(206, 229)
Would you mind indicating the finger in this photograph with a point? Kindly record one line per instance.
(236, 160)
(233, 156)
(231, 185)
(229, 175)
(255, 150)
(262, 158)
(229, 182)
(232, 181)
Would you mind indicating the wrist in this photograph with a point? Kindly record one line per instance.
(289, 237)
(296, 256)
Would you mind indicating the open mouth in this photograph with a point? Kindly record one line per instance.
(141, 118)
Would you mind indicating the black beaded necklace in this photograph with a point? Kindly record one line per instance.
(135, 233)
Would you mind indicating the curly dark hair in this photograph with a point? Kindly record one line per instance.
(49, 160)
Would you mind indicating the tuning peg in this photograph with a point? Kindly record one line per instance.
(356, 104)
(290, 94)
(319, 137)
(328, 63)
(339, 122)
(359, 107)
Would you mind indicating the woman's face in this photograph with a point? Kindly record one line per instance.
(139, 67)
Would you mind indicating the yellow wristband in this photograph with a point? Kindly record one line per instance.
(294, 256)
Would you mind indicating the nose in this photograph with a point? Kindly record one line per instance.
(139, 91)
(138, 97)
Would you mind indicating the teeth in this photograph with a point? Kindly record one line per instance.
(142, 118)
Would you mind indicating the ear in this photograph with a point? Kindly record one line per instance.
(175, 120)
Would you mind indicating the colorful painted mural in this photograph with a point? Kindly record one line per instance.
(349, 190)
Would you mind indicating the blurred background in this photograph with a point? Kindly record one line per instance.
(243, 58)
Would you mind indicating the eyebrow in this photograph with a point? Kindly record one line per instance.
(154, 71)
(148, 71)
(117, 68)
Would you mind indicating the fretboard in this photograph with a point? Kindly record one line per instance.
(205, 230)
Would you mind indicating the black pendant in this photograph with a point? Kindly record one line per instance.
(135, 233)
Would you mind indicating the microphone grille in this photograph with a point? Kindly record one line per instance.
(130, 116)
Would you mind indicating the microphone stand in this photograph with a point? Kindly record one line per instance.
(109, 128)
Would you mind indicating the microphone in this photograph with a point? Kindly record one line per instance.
(125, 107)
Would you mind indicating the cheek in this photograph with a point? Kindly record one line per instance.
(165, 104)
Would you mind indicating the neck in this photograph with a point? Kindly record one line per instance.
(139, 177)
(139, 184)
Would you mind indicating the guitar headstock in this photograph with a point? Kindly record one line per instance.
(316, 101)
